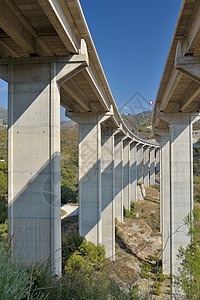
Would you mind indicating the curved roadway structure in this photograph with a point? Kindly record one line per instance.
(176, 109)
(48, 58)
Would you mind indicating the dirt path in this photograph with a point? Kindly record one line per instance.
(71, 210)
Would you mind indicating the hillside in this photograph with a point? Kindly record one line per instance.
(138, 239)
(138, 244)
(140, 124)
(3, 114)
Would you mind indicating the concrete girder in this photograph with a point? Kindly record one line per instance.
(75, 64)
(88, 74)
(83, 103)
(188, 65)
(192, 40)
(7, 50)
(58, 19)
(16, 26)
(172, 85)
(187, 99)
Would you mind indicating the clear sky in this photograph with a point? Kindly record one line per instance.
(132, 38)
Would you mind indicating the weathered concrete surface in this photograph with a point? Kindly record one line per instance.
(126, 174)
(90, 200)
(107, 186)
(146, 165)
(157, 160)
(165, 198)
(133, 171)
(152, 166)
(140, 163)
(34, 223)
(181, 164)
(118, 163)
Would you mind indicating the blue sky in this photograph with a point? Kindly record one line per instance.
(132, 38)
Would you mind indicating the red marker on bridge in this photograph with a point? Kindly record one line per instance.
(151, 102)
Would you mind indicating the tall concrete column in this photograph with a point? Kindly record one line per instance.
(157, 160)
(165, 205)
(90, 199)
(108, 189)
(126, 173)
(152, 166)
(133, 171)
(181, 182)
(176, 185)
(118, 161)
(34, 222)
(146, 165)
(140, 163)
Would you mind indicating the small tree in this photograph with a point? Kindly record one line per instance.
(188, 278)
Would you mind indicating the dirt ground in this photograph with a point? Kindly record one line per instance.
(136, 239)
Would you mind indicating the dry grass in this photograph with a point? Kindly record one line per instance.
(63, 212)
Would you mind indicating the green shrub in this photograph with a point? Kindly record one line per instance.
(78, 267)
(156, 186)
(130, 213)
(3, 211)
(95, 254)
(70, 244)
(145, 269)
(196, 179)
(188, 278)
(16, 282)
(197, 197)
(3, 233)
(157, 287)
(133, 206)
(68, 195)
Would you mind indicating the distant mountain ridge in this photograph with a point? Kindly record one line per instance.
(140, 124)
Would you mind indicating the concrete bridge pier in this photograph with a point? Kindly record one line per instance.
(96, 180)
(152, 166)
(157, 160)
(90, 193)
(181, 167)
(165, 197)
(108, 191)
(140, 163)
(178, 177)
(146, 165)
(133, 171)
(34, 223)
(126, 173)
(118, 164)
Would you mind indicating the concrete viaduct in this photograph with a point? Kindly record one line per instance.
(48, 58)
(176, 109)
